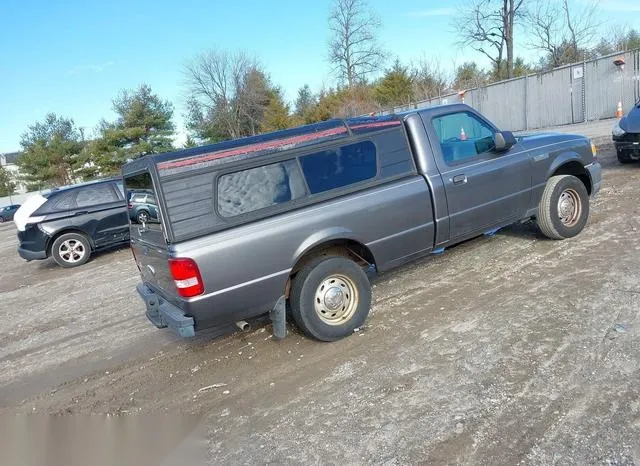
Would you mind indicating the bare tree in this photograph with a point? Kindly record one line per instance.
(252, 98)
(488, 27)
(617, 39)
(429, 79)
(213, 79)
(353, 50)
(561, 31)
(227, 95)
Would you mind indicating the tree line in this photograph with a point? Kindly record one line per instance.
(231, 94)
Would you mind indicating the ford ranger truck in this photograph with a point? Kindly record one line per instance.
(294, 223)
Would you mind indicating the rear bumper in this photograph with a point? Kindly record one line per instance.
(164, 314)
(595, 174)
(32, 255)
(32, 243)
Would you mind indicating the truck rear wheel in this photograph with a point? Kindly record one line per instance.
(330, 298)
(564, 208)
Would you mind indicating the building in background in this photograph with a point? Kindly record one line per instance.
(10, 162)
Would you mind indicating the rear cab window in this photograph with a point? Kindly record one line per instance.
(144, 213)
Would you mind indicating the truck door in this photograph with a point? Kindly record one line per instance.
(484, 188)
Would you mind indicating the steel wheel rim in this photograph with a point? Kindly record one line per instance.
(569, 207)
(143, 217)
(336, 299)
(72, 251)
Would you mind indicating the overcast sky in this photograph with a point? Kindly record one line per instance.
(72, 57)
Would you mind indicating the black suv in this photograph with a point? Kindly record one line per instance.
(70, 223)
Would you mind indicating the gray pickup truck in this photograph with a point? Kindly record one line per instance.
(294, 223)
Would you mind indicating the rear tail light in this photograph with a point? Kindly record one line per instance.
(186, 276)
(36, 219)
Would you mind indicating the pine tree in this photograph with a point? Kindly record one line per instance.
(276, 114)
(144, 126)
(395, 87)
(50, 152)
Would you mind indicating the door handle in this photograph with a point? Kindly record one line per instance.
(459, 179)
(84, 212)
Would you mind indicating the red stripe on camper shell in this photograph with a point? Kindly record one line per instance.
(250, 148)
(376, 124)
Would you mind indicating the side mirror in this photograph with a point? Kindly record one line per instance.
(503, 141)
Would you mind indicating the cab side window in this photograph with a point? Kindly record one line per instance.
(462, 137)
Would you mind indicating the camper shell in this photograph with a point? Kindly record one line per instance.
(186, 177)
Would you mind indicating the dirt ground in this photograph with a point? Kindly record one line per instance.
(503, 350)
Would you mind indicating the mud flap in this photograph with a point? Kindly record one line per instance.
(278, 316)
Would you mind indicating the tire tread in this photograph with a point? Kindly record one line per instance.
(545, 223)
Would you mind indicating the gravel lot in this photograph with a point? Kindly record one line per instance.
(504, 350)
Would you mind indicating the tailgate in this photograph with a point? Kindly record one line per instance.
(148, 239)
(153, 265)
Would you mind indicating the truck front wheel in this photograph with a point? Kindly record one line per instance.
(564, 208)
(330, 298)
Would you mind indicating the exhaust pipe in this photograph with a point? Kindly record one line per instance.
(243, 325)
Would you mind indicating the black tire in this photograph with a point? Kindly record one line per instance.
(571, 192)
(1, 219)
(353, 301)
(142, 214)
(77, 246)
(624, 157)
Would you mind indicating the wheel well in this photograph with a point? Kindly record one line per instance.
(351, 249)
(64, 232)
(576, 169)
